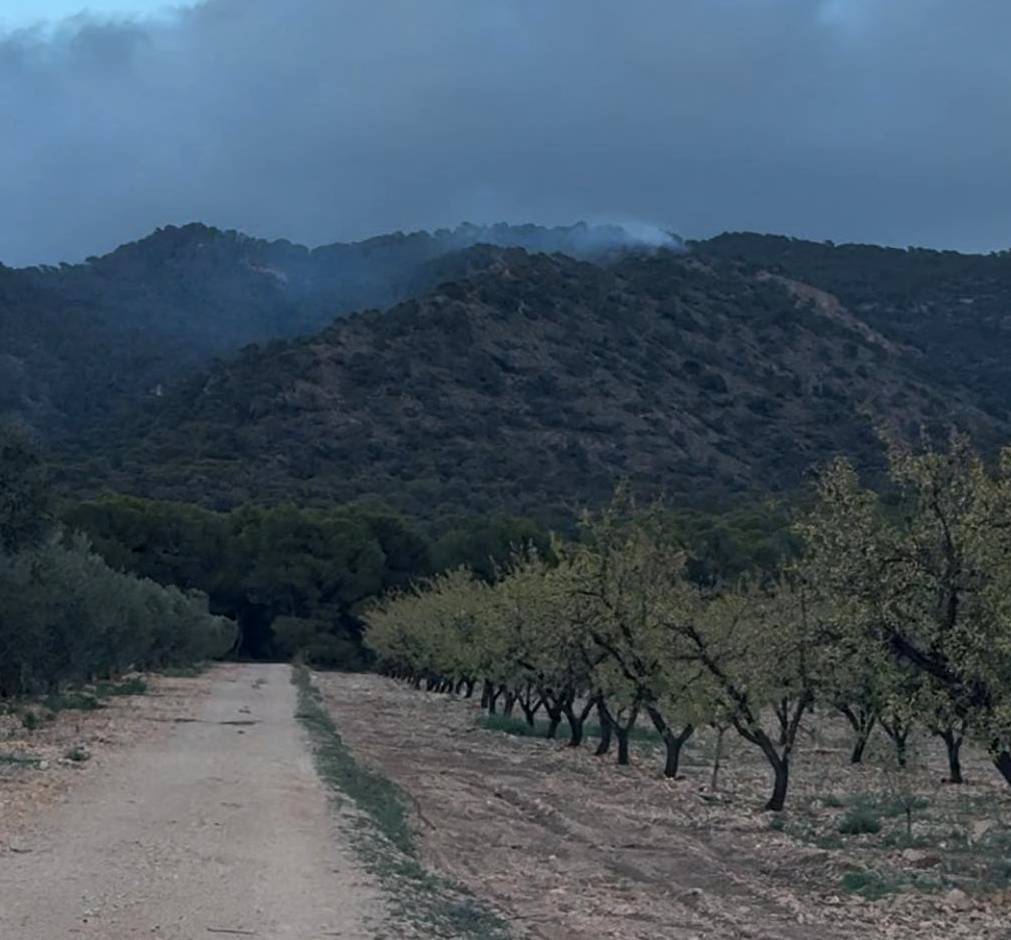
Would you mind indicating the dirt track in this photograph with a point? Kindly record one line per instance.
(222, 828)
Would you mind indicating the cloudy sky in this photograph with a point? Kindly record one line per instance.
(318, 120)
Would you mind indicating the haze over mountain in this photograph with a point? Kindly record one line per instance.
(80, 342)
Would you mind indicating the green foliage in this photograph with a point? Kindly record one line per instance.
(381, 800)
(486, 544)
(947, 305)
(871, 885)
(66, 616)
(72, 701)
(293, 579)
(898, 806)
(514, 726)
(82, 343)
(862, 818)
(25, 502)
(135, 685)
(921, 590)
(616, 618)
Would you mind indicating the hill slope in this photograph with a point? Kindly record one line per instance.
(537, 381)
(954, 308)
(79, 344)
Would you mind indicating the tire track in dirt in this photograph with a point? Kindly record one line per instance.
(570, 847)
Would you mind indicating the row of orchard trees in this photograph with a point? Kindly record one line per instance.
(898, 610)
(65, 615)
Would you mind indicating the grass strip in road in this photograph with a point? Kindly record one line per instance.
(383, 836)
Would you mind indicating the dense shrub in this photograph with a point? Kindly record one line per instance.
(66, 616)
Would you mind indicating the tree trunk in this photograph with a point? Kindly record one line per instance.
(493, 695)
(1002, 761)
(622, 734)
(782, 710)
(899, 733)
(530, 706)
(623, 731)
(554, 720)
(510, 704)
(953, 745)
(577, 719)
(486, 694)
(900, 749)
(781, 769)
(862, 721)
(714, 781)
(672, 742)
(575, 728)
(606, 729)
(468, 686)
(779, 759)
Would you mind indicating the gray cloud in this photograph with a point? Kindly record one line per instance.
(320, 120)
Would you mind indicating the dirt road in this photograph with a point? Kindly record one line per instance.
(222, 829)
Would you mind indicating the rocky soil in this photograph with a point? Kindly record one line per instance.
(572, 846)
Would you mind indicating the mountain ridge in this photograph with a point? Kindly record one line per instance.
(81, 340)
(540, 381)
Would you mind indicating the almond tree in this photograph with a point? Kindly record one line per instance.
(560, 653)
(626, 574)
(764, 650)
(435, 631)
(929, 581)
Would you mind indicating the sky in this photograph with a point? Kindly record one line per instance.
(324, 120)
(18, 13)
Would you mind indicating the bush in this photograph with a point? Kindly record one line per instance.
(135, 685)
(72, 701)
(65, 615)
(515, 726)
(868, 884)
(862, 819)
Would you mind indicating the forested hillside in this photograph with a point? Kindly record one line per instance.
(533, 383)
(80, 345)
(953, 308)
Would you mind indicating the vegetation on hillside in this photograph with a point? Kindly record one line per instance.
(83, 345)
(951, 308)
(534, 385)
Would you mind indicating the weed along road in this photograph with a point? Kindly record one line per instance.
(222, 828)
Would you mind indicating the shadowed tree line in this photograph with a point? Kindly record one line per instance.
(294, 579)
